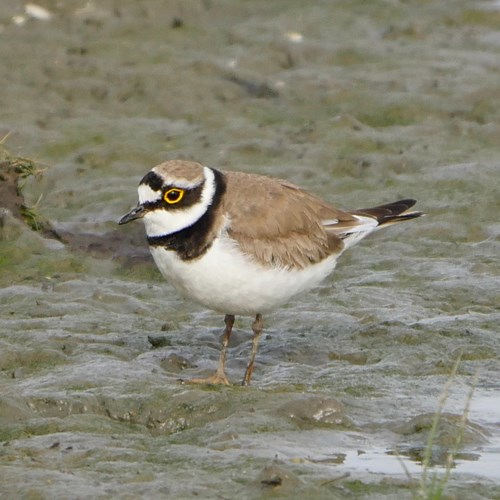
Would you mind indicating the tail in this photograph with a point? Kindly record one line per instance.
(392, 213)
(366, 220)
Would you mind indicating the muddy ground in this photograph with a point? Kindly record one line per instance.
(360, 102)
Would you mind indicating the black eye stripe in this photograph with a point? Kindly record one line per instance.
(191, 196)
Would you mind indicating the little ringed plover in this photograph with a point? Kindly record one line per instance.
(245, 244)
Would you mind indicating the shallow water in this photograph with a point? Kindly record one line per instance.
(376, 101)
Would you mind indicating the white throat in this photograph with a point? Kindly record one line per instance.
(162, 222)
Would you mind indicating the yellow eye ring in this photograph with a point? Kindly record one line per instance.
(173, 195)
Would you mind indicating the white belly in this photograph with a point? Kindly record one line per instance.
(225, 280)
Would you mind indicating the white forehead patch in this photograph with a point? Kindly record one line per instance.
(161, 222)
(147, 195)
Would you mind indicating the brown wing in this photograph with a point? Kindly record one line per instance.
(279, 223)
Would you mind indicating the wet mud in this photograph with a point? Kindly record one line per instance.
(357, 392)
(127, 247)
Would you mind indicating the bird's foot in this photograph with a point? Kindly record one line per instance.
(215, 379)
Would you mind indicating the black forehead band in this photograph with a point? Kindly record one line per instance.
(152, 180)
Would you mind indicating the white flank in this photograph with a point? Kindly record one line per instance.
(163, 222)
(226, 280)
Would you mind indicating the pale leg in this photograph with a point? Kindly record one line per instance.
(219, 377)
(257, 328)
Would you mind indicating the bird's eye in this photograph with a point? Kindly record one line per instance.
(173, 195)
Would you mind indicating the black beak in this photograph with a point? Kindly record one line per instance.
(136, 213)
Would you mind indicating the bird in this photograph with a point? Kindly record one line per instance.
(244, 244)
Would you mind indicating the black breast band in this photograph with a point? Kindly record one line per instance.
(193, 241)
